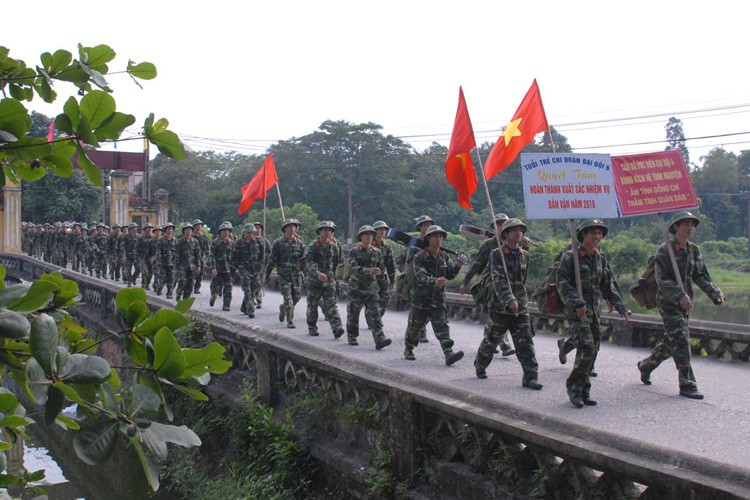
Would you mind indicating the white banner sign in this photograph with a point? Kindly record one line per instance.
(568, 186)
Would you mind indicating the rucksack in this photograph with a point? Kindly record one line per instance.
(546, 296)
(483, 289)
(644, 291)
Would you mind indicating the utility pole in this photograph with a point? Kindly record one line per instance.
(350, 231)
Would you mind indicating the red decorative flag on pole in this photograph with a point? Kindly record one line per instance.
(459, 169)
(51, 131)
(528, 121)
(257, 188)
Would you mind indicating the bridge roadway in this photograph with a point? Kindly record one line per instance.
(715, 428)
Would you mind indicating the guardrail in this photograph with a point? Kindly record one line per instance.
(466, 445)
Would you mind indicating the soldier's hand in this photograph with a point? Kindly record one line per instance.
(626, 317)
(464, 289)
(374, 271)
(514, 307)
(322, 277)
(441, 281)
(686, 303)
(581, 312)
(266, 282)
(213, 273)
(720, 300)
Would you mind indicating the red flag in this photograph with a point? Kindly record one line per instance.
(257, 188)
(51, 131)
(459, 169)
(528, 121)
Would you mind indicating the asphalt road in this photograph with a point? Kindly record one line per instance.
(717, 427)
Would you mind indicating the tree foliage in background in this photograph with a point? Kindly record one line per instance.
(676, 138)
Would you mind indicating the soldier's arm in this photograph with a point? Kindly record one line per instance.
(422, 275)
(702, 278)
(611, 290)
(500, 282)
(566, 286)
(478, 264)
(668, 287)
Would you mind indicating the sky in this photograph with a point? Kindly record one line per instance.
(240, 76)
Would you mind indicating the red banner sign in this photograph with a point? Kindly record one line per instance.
(650, 183)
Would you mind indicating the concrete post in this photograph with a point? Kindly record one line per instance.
(10, 236)
(119, 209)
(162, 206)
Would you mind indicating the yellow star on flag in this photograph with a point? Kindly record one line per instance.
(511, 131)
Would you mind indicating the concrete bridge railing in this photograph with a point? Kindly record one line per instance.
(468, 446)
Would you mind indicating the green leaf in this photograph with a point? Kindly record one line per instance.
(38, 295)
(44, 89)
(13, 325)
(8, 401)
(144, 70)
(58, 61)
(112, 127)
(97, 57)
(43, 340)
(208, 359)
(54, 404)
(144, 400)
(59, 165)
(169, 361)
(96, 440)
(136, 350)
(86, 369)
(156, 437)
(92, 171)
(69, 392)
(67, 422)
(5, 446)
(85, 132)
(191, 392)
(127, 296)
(2, 277)
(137, 312)
(169, 144)
(14, 118)
(155, 386)
(31, 148)
(14, 421)
(161, 318)
(184, 305)
(72, 113)
(150, 466)
(12, 293)
(28, 173)
(97, 106)
(67, 293)
(36, 381)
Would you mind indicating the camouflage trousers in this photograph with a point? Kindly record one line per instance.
(79, 262)
(371, 304)
(198, 279)
(221, 284)
(251, 284)
(130, 270)
(291, 292)
(325, 296)
(185, 281)
(165, 277)
(495, 333)
(418, 319)
(115, 268)
(384, 298)
(675, 345)
(100, 265)
(147, 272)
(585, 337)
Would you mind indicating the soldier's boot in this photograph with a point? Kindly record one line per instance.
(423, 335)
(481, 362)
(645, 372)
(481, 371)
(688, 388)
(212, 301)
(564, 346)
(258, 303)
(506, 347)
(352, 340)
(382, 342)
(452, 356)
(290, 319)
(409, 353)
(226, 307)
(338, 333)
(169, 293)
(586, 398)
(575, 398)
(312, 330)
(282, 313)
(532, 384)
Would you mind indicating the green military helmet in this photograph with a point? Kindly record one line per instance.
(435, 229)
(98, 224)
(84, 227)
(326, 224)
(500, 218)
(681, 216)
(187, 225)
(289, 222)
(249, 228)
(147, 226)
(197, 222)
(107, 227)
(510, 223)
(225, 225)
(168, 224)
(116, 226)
(58, 224)
(381, 224)
(157, 228)
(365, 229)
(589, 223)
(258, 223)
(76, 224)
(133, 225)
(421, 220)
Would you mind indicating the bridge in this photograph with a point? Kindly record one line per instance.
(471, 438)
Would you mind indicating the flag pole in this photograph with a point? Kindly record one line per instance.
(283, 217)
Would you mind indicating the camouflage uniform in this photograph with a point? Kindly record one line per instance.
(364, 289)
(204, 249)
(676, 344)
(247, 259)
(408, 272)
(113, 250)
(322, 258)
(146, 267)
(597, 282)
(187, 263)
(166, 251)
(509, 289)
(286, 256)
(129, 255)
(220, 261)
(428, 300)
(389, 267)
(99, 248)
(152, 253)
(266, 251)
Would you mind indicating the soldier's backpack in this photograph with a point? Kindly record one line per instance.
(482, 290)
(546, 296)
(644, 291)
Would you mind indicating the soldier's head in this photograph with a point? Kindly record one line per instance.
(197, 225)
(499, 221)
(225, 229)
(365, 234)
(249, 231)
(187, 230)
(156, 232)
(133, 228)
(590, 232)
(421, 224)
(683, 224)
(290, 227)
(147, 228)
(512, 232)
(116, 228)
(435, 235)
(325, 229)
(168, 229)
(259, 227)
(381, 229)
